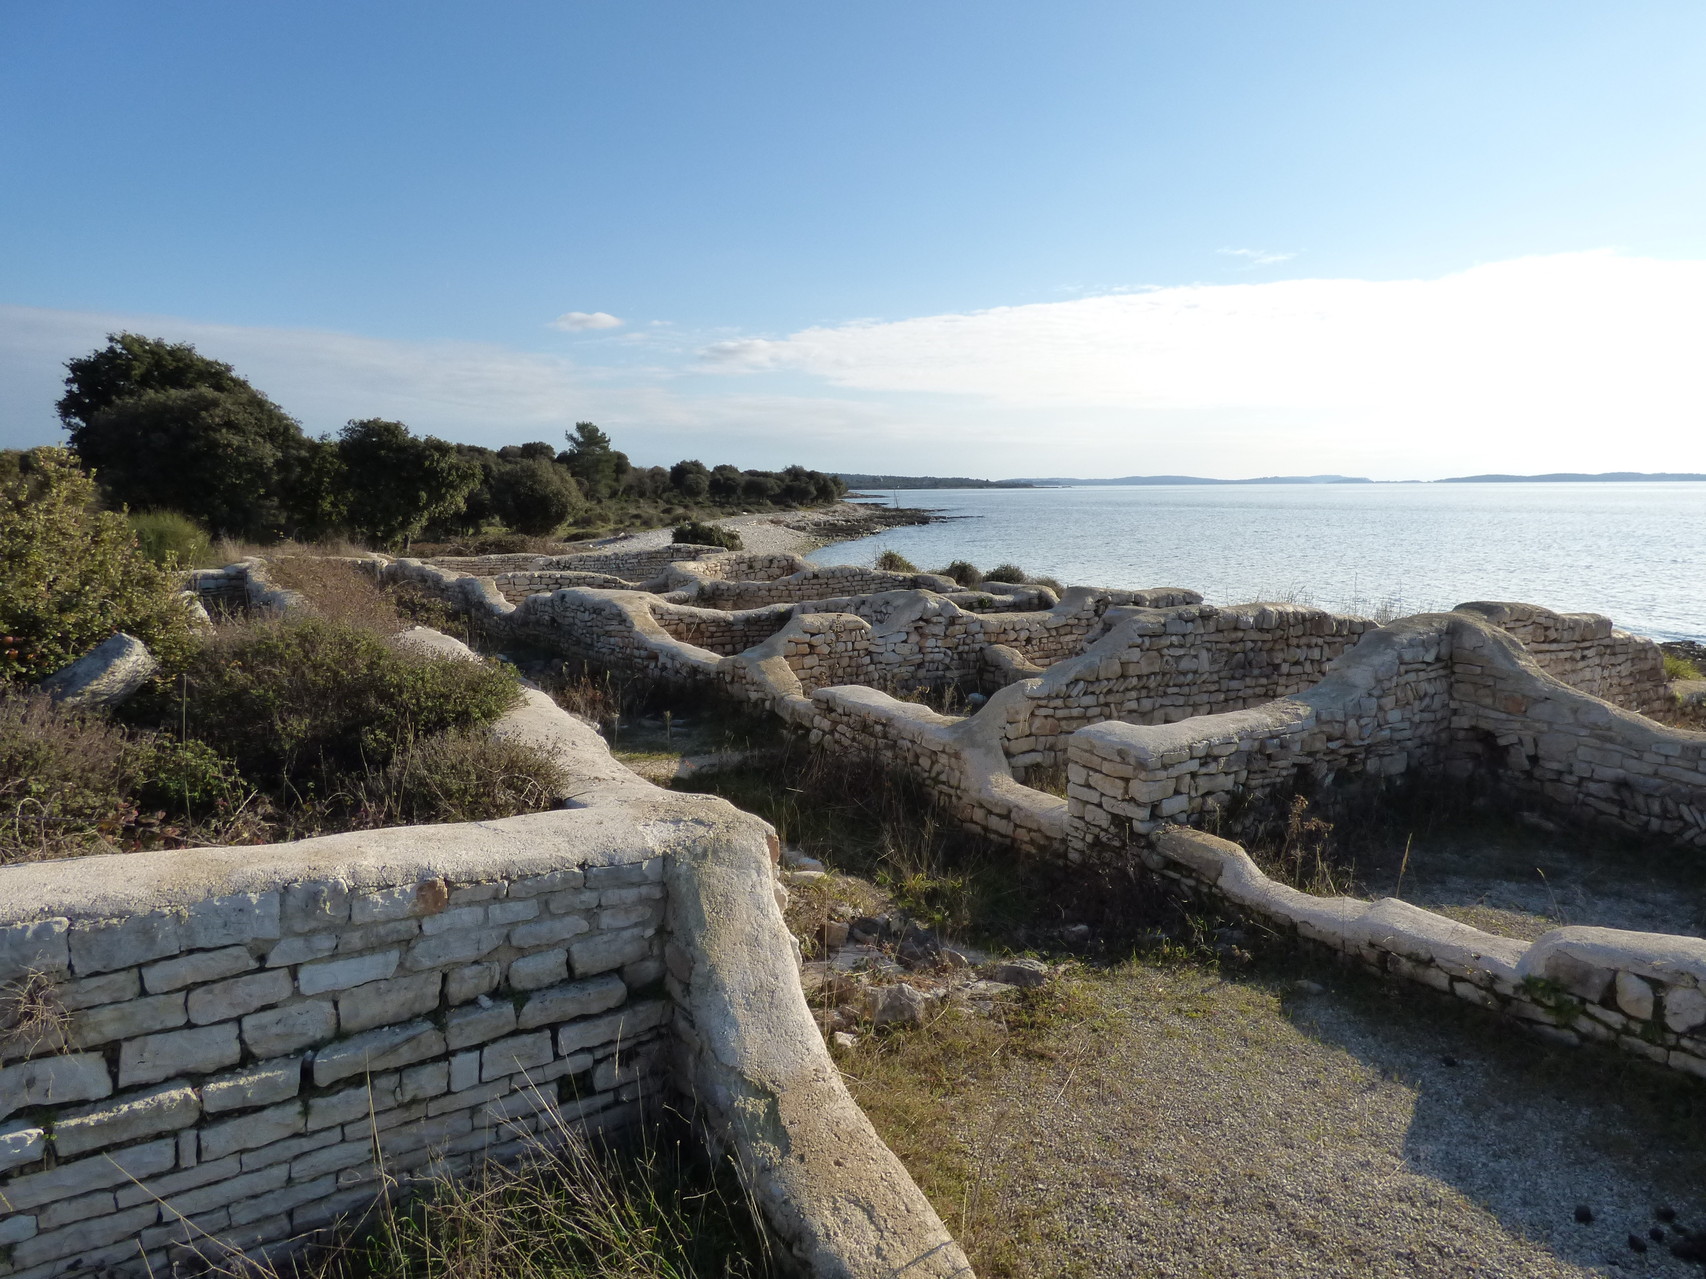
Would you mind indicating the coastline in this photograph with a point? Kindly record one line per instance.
(793, 532)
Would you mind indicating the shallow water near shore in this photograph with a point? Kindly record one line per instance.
(1635, 552)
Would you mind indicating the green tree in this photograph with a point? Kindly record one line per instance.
(231, 460)
(691, 480)
(533, 496)
(131, 365)
(591, 460)
(394, 483)
(71, 575)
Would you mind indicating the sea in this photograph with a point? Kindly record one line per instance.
(1633, 551)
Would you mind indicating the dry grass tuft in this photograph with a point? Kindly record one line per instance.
(32, 1017)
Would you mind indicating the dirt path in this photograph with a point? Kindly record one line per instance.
(1245, 1128)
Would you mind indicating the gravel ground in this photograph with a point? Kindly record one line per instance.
(1246, 1128)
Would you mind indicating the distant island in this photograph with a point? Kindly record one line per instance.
(1573, 477)
(927, 482)
(1194, 479)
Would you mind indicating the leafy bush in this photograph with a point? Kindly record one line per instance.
(964, 572)
(294, 699)
(895, 562)
(63, 775)
(698, 533)
(1680, 668)
(169, 539)
(188, 778)
(533, 496)
(466, 776)
(1012, 574)
(72, 575)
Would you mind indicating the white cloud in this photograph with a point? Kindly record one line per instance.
(1258, 257)
(1559, 362)
(580, 321)
(1581, 361)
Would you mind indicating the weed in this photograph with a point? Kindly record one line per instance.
(32, 1016)
(1681, 668)
(964, 572)
(895, 562)
(169, 539)
(699, 533)
(1012, 574)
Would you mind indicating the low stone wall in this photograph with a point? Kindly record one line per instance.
(1643, 993)
(631, 567)
(516, 587)
(1585, 651)
(1444, 692)
(1159, 666)
(253, 1034)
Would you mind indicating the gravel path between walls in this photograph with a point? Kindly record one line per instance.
(1247, 1128)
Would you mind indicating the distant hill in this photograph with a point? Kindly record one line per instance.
(926, 482)
(1197, 479)
(1573, 477)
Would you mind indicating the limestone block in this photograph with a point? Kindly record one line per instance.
(517, 1053)
(617, 1027)
(341, 974)
(575, 999)
(471, 981)
(309, 907)
(374, 1050)
(298, 950)
(226, 921)
(178, 1052)
(382, 1002)
(38, 947)
(1634, 996)
(544, 932)
(540, 969)
(202, 966)
(476, 1025)
(270, 1081)
(110, 1124)
(53, 1081)
(239, 996)
(604, 951)
(21, 1143)
(279, 1031)
(84, 1176)
(105, 675)
(246, 1132)
(1685, 1008)
(125, 943)
(453, 948)
(144, 1016)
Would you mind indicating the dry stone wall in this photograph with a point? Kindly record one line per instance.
(1160, 666)
(251, 1032)
(1642, 993)
(1585, 651)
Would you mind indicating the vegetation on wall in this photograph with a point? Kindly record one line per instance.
(165, 428)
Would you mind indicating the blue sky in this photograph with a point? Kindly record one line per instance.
(990, 238)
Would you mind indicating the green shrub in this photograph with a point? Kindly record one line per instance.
(895, 562)
(698, 533)
(187, 778)
(72, 575)
(63, 775)
(465, 776)
(169, 539)
(1680, 668)
(1012, 574)
(288, 698)
(964, 572)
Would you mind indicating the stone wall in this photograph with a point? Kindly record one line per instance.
(253, 1032)
(1585, 651)
(1160, 666)
(1642, 993)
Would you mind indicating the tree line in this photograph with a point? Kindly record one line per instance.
(165, 428)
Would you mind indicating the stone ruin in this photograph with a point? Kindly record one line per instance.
(256, 1042)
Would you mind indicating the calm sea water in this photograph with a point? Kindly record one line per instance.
(1635, 552)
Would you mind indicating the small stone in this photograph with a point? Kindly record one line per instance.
(834, 935)
(1025, 973)
(897, 1005)
(844, 1040)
